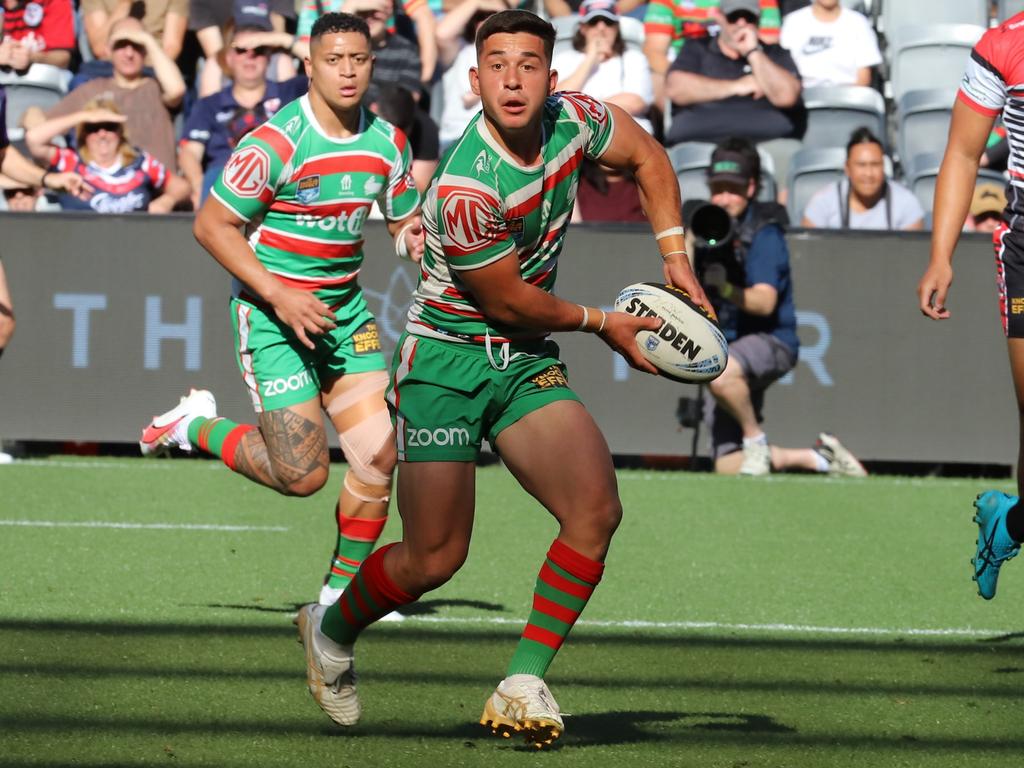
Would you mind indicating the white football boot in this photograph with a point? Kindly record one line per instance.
(840, 461)
(523, 704)
(757, 459)
(171, 429)
(330, 668)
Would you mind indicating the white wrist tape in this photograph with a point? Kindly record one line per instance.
(669, 232)
(401, 249)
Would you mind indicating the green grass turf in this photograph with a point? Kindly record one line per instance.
(174, 647)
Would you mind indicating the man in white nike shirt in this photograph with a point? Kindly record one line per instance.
(830, 44)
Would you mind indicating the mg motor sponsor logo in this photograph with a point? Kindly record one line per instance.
(465, 216)
(248, 172)
(421, 438)
(285, 384)
(352, 223)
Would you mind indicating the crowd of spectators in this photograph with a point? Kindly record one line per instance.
(160, 92)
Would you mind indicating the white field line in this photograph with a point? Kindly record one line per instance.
(141, 526)
(161, 464)
(789, 629)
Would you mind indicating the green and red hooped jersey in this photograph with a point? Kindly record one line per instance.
(687, 19)
(312, 194)
(482, 206)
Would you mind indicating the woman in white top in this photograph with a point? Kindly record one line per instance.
(600, 65)
(456, 54)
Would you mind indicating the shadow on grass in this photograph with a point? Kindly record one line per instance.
(413, 631)
(593, 731)
(420, 608)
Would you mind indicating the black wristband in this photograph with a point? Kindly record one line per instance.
(757, 48)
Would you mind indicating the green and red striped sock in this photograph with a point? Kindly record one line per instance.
(218, 436)
(356, 537)
(370, 595)
(565, 583)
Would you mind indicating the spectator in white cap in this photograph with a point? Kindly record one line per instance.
(601, 66)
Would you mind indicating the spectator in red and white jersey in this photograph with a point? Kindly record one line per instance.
(990, 87)
(123, 178)
(38, 32)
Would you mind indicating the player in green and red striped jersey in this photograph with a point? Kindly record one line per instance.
(306, 341)
(475, 362)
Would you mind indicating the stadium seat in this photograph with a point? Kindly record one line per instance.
(691, 159)
(923, 169)
(833, 113)
(896, 15)
(42, 86)
(922, 121)
(931, 56)
(810, 170)
(1008, 8)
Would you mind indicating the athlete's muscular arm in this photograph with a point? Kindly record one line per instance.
(968, 133)
(633, 149)
(217, 230)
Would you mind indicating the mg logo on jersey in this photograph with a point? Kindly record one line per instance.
(465, 215)
(423, 438)
(248, 172)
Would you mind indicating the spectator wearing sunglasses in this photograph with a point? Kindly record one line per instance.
(165, 20)
(121, 178)
(600, 65)
(218, 122)
(213, 22)
(144, 101)
(733, 83)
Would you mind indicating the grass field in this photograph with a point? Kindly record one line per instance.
(795, 621)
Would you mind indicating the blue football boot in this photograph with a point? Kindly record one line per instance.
(994, 543)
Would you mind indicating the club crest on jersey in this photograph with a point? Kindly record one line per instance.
(308, 189)
(372, 187)
(248, 171)
(482, 164)
(33, 15)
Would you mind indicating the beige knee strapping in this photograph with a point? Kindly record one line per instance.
(362, 445)
(370, 385)
(365, 492)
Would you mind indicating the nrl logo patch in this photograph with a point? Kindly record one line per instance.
(308, 189)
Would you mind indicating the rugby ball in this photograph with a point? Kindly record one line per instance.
(689, 346)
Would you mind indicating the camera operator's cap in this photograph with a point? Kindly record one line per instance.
(729, 167)
(598, 9)
(731, 6)
(988, 198)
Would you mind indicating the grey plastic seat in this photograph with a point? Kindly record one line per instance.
(899, 14)
(1008, 8)
(922, 171)
(834, 112)
(931, 56)
(42, 86)
(922, 121)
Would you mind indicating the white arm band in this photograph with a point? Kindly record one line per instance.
(401, 249)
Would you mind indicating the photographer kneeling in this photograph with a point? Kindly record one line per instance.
(746, 273)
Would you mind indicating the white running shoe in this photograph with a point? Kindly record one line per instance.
(330, 668)
(331, 595)
(757, 459)
(840, 460)
(171, 428)
(523, 704)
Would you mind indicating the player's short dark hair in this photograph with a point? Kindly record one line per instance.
(511, 22)
(335, 23)
(863, 135)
